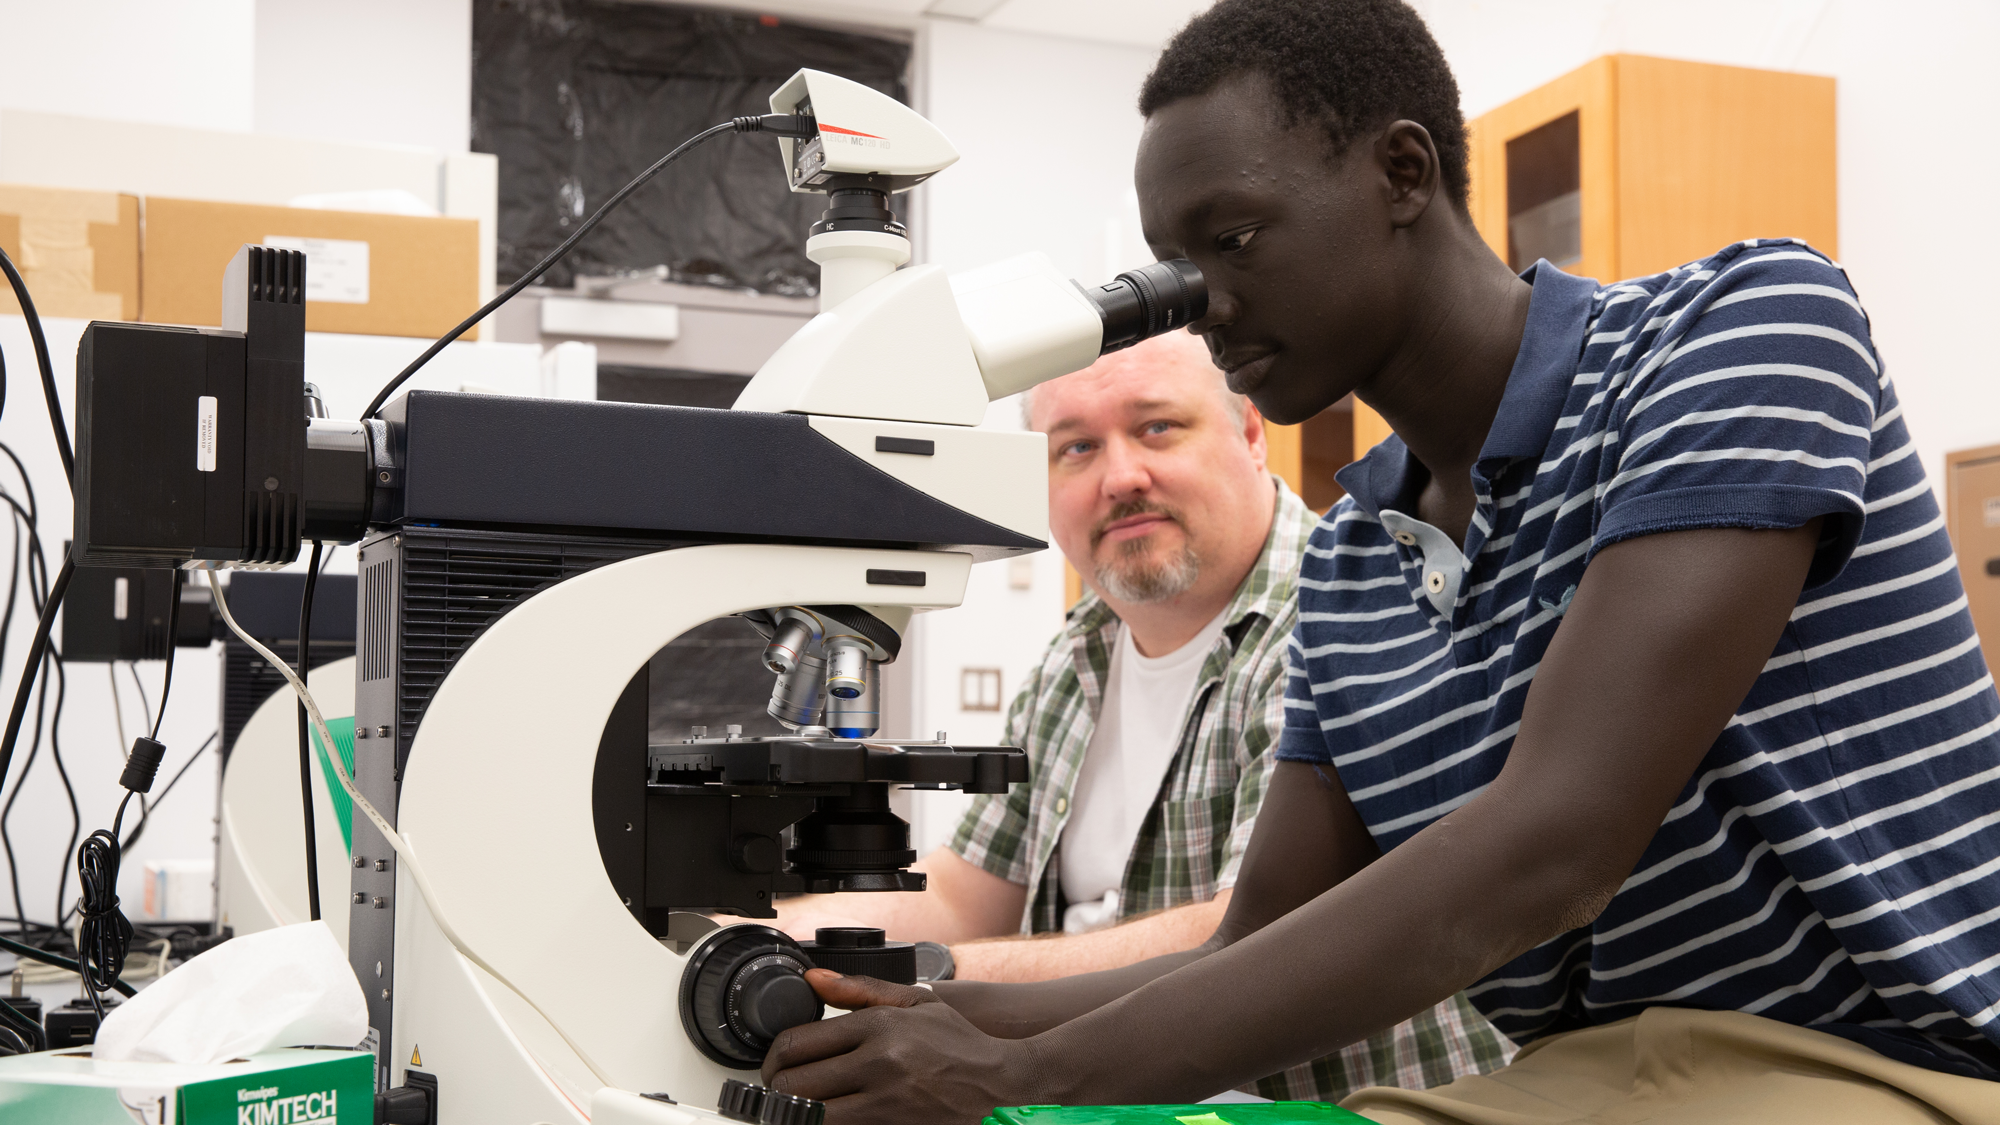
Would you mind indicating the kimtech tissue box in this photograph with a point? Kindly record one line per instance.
(288, 1086)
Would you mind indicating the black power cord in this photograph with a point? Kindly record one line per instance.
(305, 742)
(140, 828)
(36, 649)
(41, 360)
(784, 125)
(105, 935)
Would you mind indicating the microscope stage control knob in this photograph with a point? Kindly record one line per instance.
(742, 986)
(759, 1105)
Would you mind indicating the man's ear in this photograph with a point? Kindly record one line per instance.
(1253, 435)
(1408, 160)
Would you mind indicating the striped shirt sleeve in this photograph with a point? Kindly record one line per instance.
(1755, 410)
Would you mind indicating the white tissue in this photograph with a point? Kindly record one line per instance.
(286, 987)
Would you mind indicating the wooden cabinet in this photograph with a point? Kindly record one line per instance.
(1632, 165)
(1972, 516)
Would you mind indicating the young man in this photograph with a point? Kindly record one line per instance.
(1148, 725)
(1634, 688)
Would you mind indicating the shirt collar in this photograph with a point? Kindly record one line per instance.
(1539, 383)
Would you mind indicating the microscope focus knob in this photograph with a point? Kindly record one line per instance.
(741, 987)
(769, 995)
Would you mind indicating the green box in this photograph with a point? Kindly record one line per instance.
(288, 1086)
(1228, 1113)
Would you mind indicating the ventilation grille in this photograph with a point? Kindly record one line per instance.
(454, 587)
(277, 276)
(378, 593)
(270, 526)
(248, 680)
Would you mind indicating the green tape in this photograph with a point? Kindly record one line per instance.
(1237, 1113)
(342, 731)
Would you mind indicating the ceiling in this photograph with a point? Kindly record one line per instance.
(1136, 23)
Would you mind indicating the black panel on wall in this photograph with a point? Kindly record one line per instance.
(577, 96)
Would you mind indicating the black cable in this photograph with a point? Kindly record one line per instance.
(7, 809)
(6, 625)
(20, 949)
(38, 597)
(26, 484)
(173, 630)
(42, 360)
(105, 934)
(62, 771)
(739, 125)
(146, 811)
(36, 648)
(305, 743)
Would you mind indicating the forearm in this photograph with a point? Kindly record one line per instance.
(963, 902)
(1022, 960)
(1395, 938)
(1017, 1011)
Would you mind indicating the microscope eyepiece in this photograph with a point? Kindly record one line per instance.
(1143, 303)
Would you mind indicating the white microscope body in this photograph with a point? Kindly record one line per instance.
(498, 791)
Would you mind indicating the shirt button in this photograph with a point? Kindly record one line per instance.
(1062, 805)
(1434, 582)
(1405, 538)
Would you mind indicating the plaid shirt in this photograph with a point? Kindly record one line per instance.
(1192, 841)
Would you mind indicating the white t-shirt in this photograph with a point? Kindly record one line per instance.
(1138, 730)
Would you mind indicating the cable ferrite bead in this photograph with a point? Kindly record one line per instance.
(143, 764)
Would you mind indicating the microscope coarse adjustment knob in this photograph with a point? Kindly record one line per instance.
(742, 986)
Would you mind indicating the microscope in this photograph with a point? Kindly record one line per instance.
(522, 559)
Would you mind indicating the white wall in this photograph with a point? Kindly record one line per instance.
(365, 71)
(1918, 95)
(369, 71)
(183, 63)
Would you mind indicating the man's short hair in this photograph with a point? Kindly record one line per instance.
(1350, 65)
(1183, 346)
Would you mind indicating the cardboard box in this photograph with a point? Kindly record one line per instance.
(77, 250)
(289, 1086)
(378, 275)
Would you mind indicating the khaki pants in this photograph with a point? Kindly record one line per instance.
(1673, 1066)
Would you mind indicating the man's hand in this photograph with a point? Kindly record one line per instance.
(902, 1056)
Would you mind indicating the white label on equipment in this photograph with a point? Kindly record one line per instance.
(204, 434)
(121, 596)
(336, 268)
(1993, 511)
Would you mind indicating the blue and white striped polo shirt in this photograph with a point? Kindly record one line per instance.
(1835, 860)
